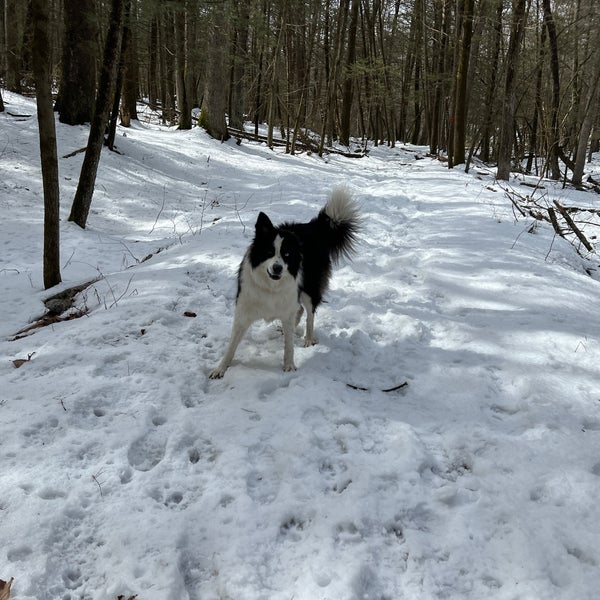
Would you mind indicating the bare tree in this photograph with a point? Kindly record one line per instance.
(75, 102)
(460, 102)
(87, 178)
(41, 70)
(507, 125)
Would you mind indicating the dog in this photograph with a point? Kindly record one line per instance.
(287, 269)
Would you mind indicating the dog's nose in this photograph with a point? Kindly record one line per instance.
(277, 269)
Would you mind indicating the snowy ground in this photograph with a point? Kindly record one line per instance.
(125, 470)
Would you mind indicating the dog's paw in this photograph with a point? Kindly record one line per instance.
(289, 367)
(308, 342)
(217, 373)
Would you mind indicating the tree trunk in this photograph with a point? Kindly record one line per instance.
(491, 87)
(214, 106)
(348, 86)
(238, 68)
(12, 78)
(460, 103)
(183, 104)
(506, 140)
(129, 91)
(555, 70)
(121, 74)
(89, 168)
(47, 132)
(592, 106)
(153, 65)
(75, 102)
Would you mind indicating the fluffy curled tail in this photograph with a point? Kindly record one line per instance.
(341, 219)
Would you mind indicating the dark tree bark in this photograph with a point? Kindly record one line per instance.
(75, 102)
(41, 71)
(129, 90)
(89, 168)
(214, 106)
(181, 59)
(460, 102)
(121, 74)
(508, 112)
(348, 85)
(491, 87)
(555, 70)
(153, 65)
(12, 79)
(238, 68)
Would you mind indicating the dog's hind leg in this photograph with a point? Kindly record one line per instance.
(309, 336)
(288, 344)
(239, 330)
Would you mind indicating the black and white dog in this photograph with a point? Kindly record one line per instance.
(289, 267)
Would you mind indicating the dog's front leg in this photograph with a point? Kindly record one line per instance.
(288, 344)
(238, 332)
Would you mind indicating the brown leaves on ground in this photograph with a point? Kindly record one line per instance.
(19, 362)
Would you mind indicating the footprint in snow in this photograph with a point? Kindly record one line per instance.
(262, 482)
(147, 451)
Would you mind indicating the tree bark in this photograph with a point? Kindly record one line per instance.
(555, 70)
(47, 133)
(586, 128)
(348, 86)
(460, 103)
(75, 102)
(181, 59)
(214, 106)
(505, 143)
(87, 178)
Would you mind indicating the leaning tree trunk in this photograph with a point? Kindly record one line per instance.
(47, 132)
(89, 169)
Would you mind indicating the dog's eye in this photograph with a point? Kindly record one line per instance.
(286, 255)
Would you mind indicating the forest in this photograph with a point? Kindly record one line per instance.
(513, 82)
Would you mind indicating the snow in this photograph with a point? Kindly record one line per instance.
(125, 470)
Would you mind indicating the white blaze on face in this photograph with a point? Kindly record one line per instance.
(276, 265)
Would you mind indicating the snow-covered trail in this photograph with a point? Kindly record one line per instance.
(126, 471)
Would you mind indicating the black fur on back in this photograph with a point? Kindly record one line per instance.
(323, 241)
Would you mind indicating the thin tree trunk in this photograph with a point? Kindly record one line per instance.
(460, 103)
(586, 129)
(47, 132)
(348, 86)
(89, 168)
(121, 74)
(555, 70)
(183, 104)
(508, 111)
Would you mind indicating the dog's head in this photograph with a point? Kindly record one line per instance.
(275, 250)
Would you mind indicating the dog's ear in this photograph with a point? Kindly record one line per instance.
(263, 224)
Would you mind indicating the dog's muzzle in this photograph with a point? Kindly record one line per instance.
(275, 271)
